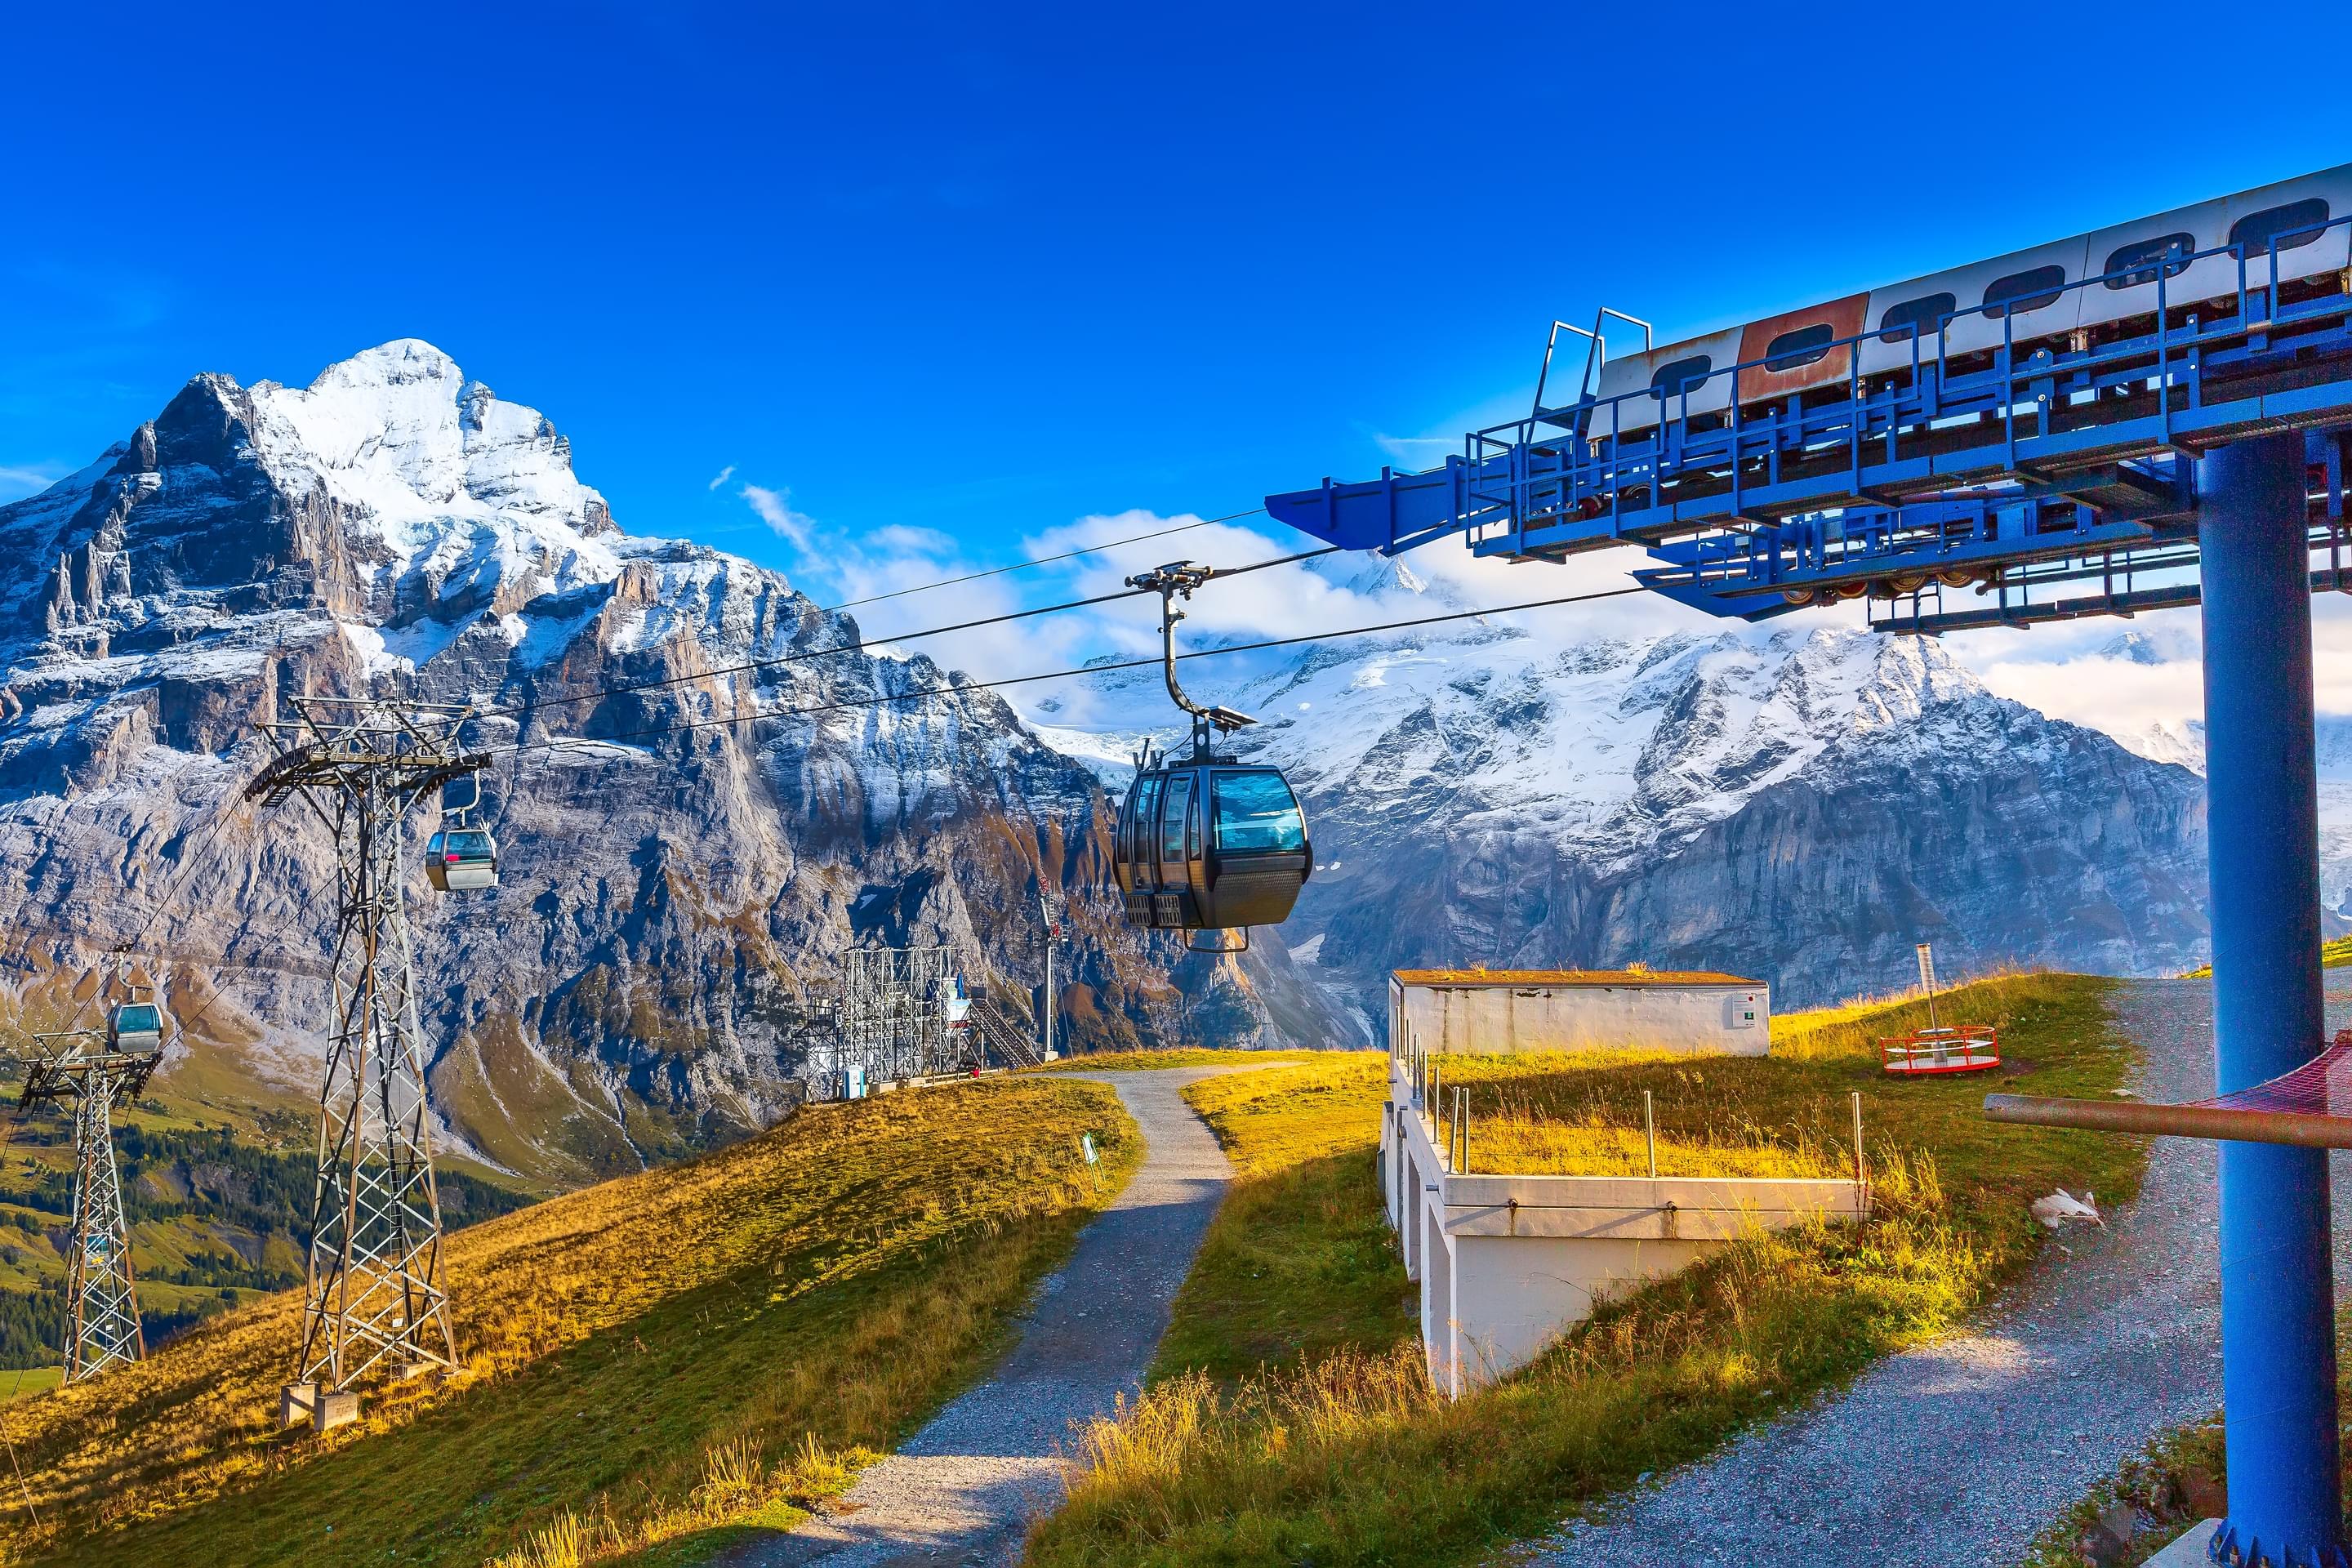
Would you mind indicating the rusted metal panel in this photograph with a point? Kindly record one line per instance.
(1791, 333)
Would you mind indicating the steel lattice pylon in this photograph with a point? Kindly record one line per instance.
(102, 1327)
(895, 1013)
(375, 1297)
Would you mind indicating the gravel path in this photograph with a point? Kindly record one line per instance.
(963, 1490)
(1961, 1451)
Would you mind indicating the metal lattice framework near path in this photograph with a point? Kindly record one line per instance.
(896, 1005)
(375, 1299)
(102, 1300)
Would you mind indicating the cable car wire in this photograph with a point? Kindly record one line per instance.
(181, 1031)
(864, 644)
(1043, 560)
(952, 689)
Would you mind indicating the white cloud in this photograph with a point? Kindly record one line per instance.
(899, 539)
(775, 509)
(724, 474)
(2124, 699)
(2133, 679)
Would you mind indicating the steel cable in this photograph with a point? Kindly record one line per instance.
(952, 687)
(1043, 560)
(865, 643)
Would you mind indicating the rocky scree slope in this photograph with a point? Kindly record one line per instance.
(668, 900)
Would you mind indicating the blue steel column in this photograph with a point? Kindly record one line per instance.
(2278, 1340)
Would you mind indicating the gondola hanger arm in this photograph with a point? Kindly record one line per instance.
(1179, 578)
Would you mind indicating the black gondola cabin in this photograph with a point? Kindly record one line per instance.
(1211, 846)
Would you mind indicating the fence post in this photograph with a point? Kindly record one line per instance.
(1861, 1173)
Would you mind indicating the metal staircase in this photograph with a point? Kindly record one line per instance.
(1003, 1036)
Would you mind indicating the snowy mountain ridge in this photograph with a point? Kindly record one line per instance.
(1608, 748)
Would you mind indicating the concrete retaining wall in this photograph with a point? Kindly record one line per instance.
(1507, 1263)
(1483, 1015)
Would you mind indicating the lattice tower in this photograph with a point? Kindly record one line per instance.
(374, 1293)
(101, 1316)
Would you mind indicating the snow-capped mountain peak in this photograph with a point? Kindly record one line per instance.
(450, 480)
(711, 800)
(391, 488)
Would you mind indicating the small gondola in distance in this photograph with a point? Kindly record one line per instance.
(135, 1026)
(460, 856)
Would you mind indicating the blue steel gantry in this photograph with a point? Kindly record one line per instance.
(2190, 449)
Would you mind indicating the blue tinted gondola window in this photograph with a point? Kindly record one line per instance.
(1919, 316)
(1171, 820)
(2021, 291)
(2256, 230)
(467, 844)
(1681, 375)
(1256, 811)
(1806, 345)
(1144, 823)
(138, 1018)
(2143, 260)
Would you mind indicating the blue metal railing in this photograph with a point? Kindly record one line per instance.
(1553, 482)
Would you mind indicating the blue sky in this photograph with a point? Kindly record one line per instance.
(986, 272)
(952, 277)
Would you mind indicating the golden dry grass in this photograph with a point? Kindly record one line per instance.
(1172, 1056)
(1297, 1264)
(1523, 1138)
(1319, 1439)
(806, 1294)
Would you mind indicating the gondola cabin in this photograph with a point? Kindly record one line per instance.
(1211, 846)
(136, 1026)
(461, 860)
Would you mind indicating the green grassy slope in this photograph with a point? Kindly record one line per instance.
(218, 1210)
(653, 1368)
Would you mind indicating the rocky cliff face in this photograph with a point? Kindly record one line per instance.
(670, 896)
(1798, 807)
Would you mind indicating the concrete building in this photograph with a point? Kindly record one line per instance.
(1442, 1011)
(1507, 1263)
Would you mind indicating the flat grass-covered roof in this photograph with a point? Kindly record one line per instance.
(1569, 977)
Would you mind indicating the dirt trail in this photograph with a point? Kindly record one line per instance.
(1961, 1451)
(963, 1490)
